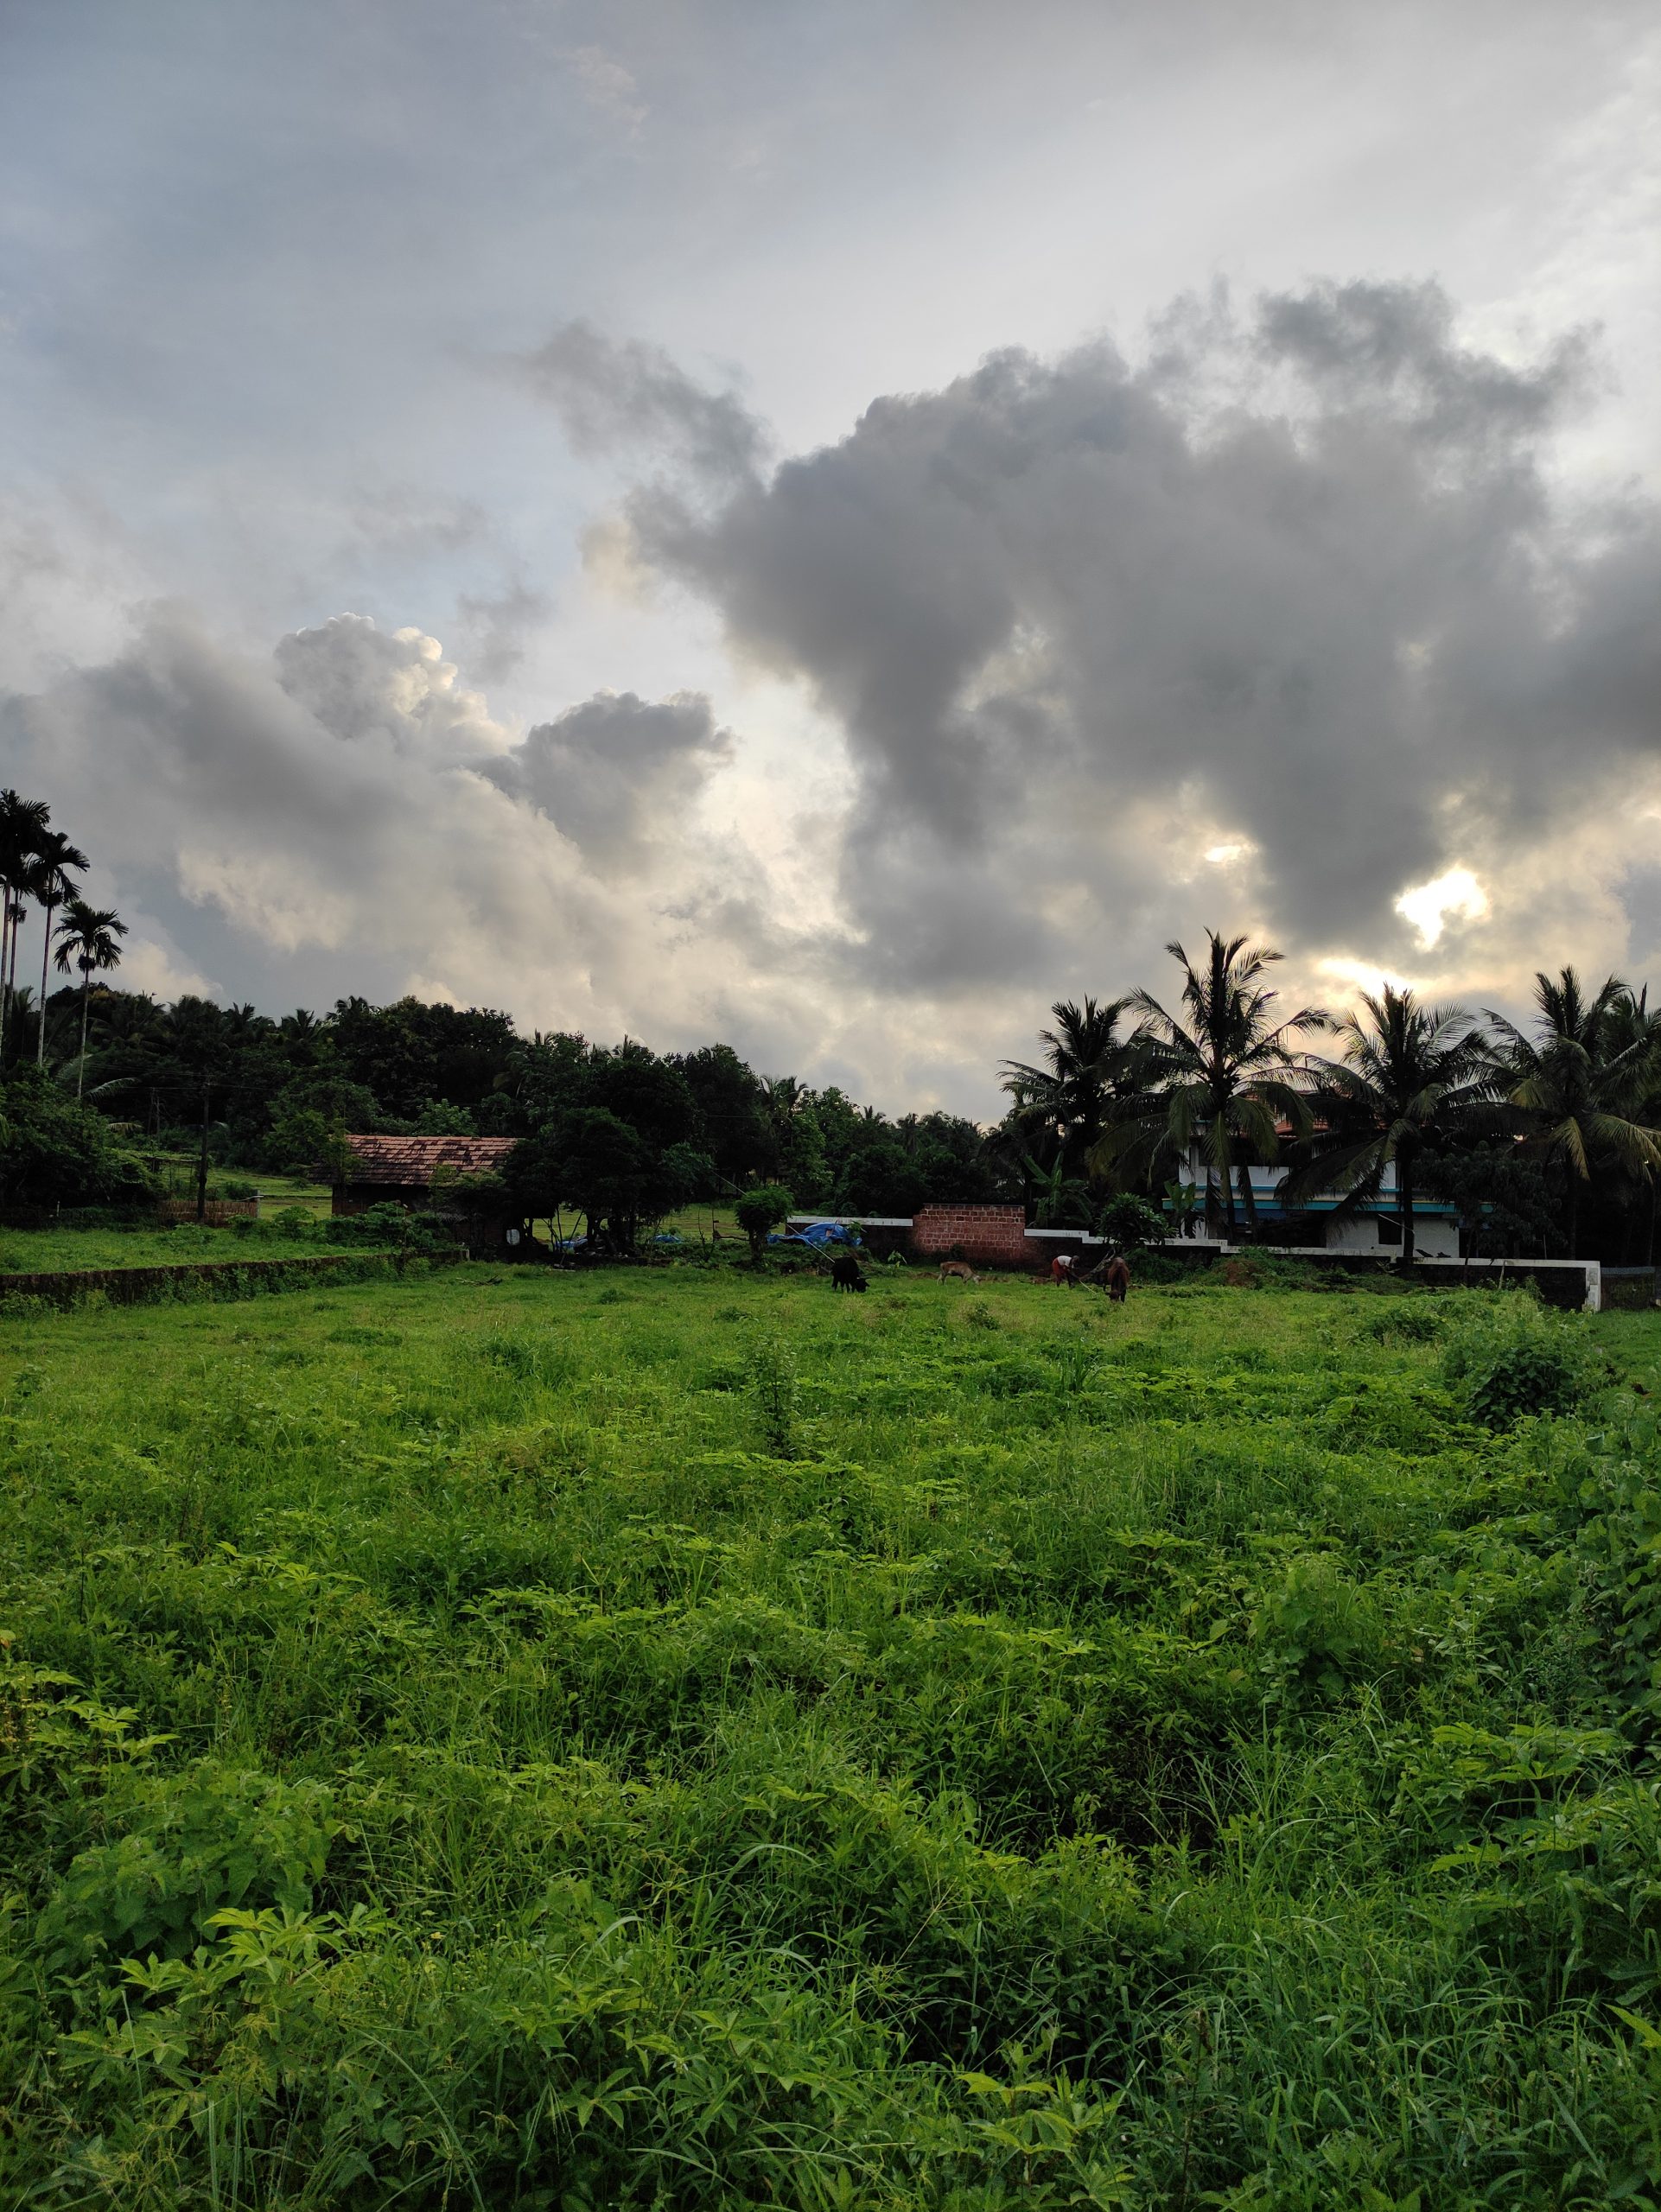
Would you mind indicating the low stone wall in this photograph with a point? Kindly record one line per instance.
(207, 1279)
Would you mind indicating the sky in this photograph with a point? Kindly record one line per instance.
(828, 526)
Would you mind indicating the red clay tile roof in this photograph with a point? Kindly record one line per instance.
(407, 1163)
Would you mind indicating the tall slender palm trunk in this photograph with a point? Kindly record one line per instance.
(201, 1159)
(15, 905)
(5, 957)
(1404, 1208)
(86, 997)
(46, 955)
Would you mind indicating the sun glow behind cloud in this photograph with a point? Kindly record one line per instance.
(1456, 893)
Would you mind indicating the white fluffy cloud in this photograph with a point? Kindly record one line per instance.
(346, 817)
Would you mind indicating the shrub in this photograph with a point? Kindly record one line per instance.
(54, 1152)
(773, 1384)
(758, 1212)
(1513, 1358)
(1127, 1219)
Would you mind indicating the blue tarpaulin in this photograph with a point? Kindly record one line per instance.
(819, 1234)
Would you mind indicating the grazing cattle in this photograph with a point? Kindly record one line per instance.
(1115, 1280)
(960, 1268)
(1062, 1269)
(844, 1272)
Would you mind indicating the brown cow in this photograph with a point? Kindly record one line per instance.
(1116, 1279)
(960, 1268)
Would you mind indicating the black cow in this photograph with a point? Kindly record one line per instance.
(844, 1272)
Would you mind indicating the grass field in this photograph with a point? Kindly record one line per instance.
(672, 1737)
(28, 1251)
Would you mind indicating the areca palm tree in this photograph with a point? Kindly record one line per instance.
(51, 883)
(1581, 1080)
(1406, 1076)
(87, 939)
(1087, 1066)
(1224, 1069)
(22, 828)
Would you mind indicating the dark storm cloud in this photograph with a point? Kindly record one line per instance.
(1299, 582)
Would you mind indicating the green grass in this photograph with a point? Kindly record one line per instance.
(31, 1251)
(277, 1192)
(41, 1251)
(677, 1738)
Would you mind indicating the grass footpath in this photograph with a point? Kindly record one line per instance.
(518, 1740)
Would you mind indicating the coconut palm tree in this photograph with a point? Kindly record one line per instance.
(1087, 1067)
(1406, 1076)
(87, 939)
(51, 883)
(1223, 1069)
(1581, 1080)
(23, 826)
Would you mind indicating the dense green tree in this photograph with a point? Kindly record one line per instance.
(51, 883)
(54, 1152)
(796, 1144)
(541, 1076)
(1408, 1079)
(1582, 1082)
(410, 1052)
(732, 1106)
(881, 1178)
(1503, 1196)
(1068, 1100)
(1224, 1069)
(647, 1093)
(312, 1115)
(88, 938)
(193, 1057)
(595, 1163)
(759, 1212)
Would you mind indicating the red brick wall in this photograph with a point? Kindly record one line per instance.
(987, 1236)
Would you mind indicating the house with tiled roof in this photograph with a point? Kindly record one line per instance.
(420, 1174)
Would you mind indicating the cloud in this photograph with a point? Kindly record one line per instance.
(615, 394)
(495, 627)
(616, 774)
(346, 816)
(1284, 625)
(607, 86)
(1297, 586)
(357, 680)
(1429, 906)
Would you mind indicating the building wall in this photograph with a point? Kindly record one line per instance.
(987, 1236)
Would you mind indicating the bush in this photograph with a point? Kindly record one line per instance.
(760, 1211)
(1513, 1357)
(54, 1152)
(1127, 1219)
(773, 1383)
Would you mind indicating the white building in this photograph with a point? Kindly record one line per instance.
(1374, 1226)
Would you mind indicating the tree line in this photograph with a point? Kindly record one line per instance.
(1544, 1140)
